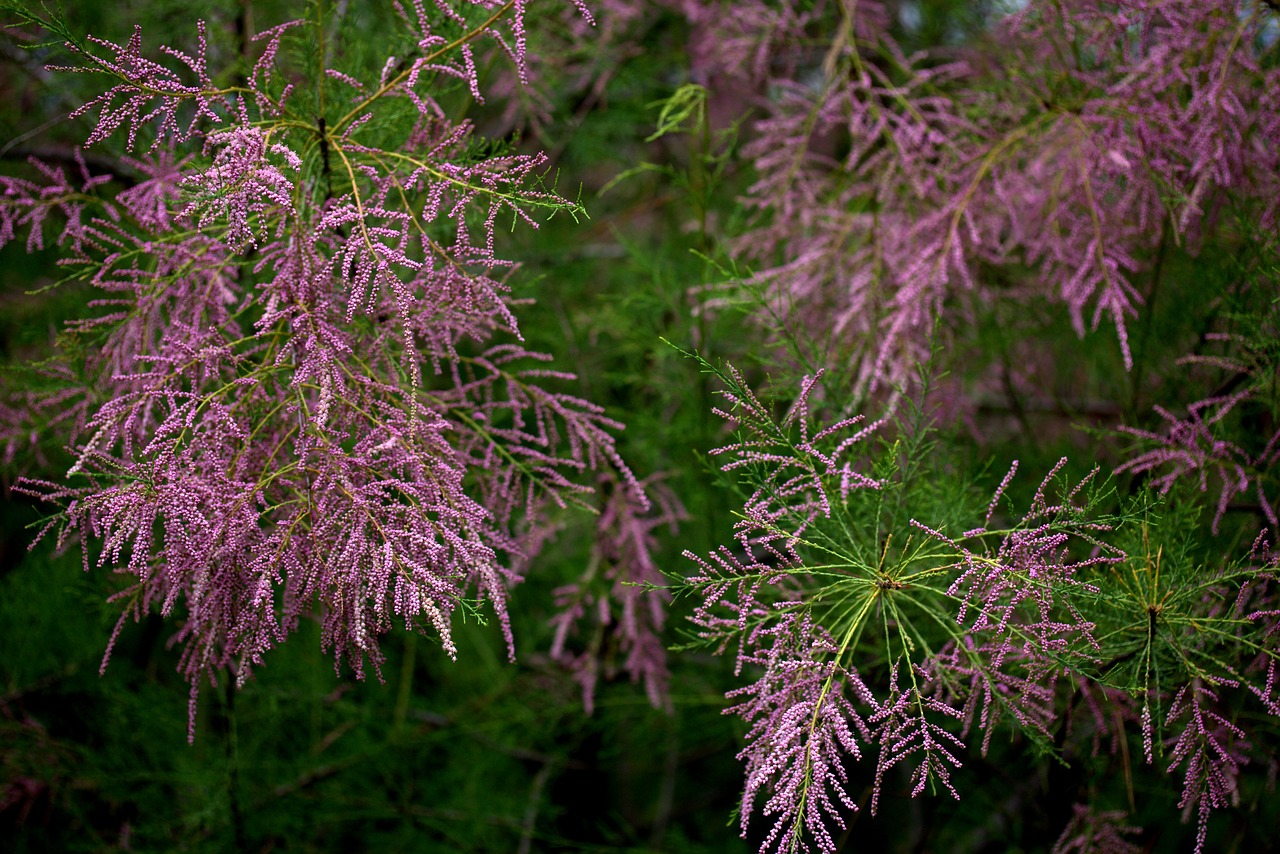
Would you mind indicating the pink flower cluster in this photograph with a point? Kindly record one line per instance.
(892, 187)
(306, 394)
(867, 630)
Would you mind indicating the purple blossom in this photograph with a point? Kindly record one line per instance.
(1209, 751)
(1169, 114)
(149, 94)
(308, 397)
(797, 488)
(27, 205)
(1033, 566)
(1097, 833)
(621, 596)
(1194, 445)
(803, 726)
(906, 725)
(974, 629)
(242, 187)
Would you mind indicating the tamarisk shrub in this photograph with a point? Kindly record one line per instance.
(885, 613)
(1232, 432)
(885, 619)
(618, 605)
(1077, 141)
(301, 390)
